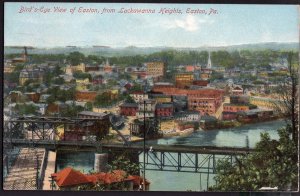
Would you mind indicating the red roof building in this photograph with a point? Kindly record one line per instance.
(191, 68)
(70, 179)
(206, 101)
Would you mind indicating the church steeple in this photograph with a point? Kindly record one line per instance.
(25, 54)
(209, 62)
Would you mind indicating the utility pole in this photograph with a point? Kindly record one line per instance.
(144, 169)
(37, 172)
(247, 142)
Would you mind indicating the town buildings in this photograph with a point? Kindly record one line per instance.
(164, 110)
(230, 110)
(184, 80)
(156, 69)
(192, 68)
(206, 101)
(71, 69)
(237, 90)
(128, 109)
(22, 59)
(190, 116)
(255, 115)
(139, 96)
(98, 126)
(146, 107)
(31, 73)
(268, 103)
(161, 98)
(85, 95)
(201, 83)
(92, 115)
(8, 68)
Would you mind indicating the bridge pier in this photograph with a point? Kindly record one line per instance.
(179, 161)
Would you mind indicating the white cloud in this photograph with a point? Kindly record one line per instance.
(189, 23)
(266, 36)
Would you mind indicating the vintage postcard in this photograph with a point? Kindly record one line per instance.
(150, 97)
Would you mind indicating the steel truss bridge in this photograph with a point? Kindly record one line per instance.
(176, 158)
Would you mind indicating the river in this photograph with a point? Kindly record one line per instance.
(176, 181)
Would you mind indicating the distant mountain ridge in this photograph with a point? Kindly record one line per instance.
(134, 50)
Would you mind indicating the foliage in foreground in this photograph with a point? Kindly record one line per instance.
(120, 162)
(273, 164)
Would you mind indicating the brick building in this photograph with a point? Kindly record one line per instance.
(91, 68)
(128, 109)
(202, 83)
(156, 69)
(164, 110)
(230, 110)
(202, 100)
(33, 96)
(161, 98)
(205, 73)
(239, 99)
(205, 105)
(184, 80)
(97, 80)
(99, 126)
(85, 96)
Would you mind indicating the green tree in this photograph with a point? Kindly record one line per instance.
(57, 70)
(112, 82)
(26, 109)
(71, 111)
(288, 94)
(12, 77)
(59, 81)
(93, 59)
(89, 106)
(216, 75)
(272, 164)
(75, 58)
(81, 75)
(123, 162)
(50, 99)
(129, 99)
(102, 100)
(136, 87)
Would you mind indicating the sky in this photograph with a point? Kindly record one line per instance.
(226, 25)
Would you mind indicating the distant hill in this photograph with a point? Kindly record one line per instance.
(133, 50)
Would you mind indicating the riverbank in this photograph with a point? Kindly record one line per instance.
(235, 123)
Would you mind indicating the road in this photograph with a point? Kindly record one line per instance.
(218, 114)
